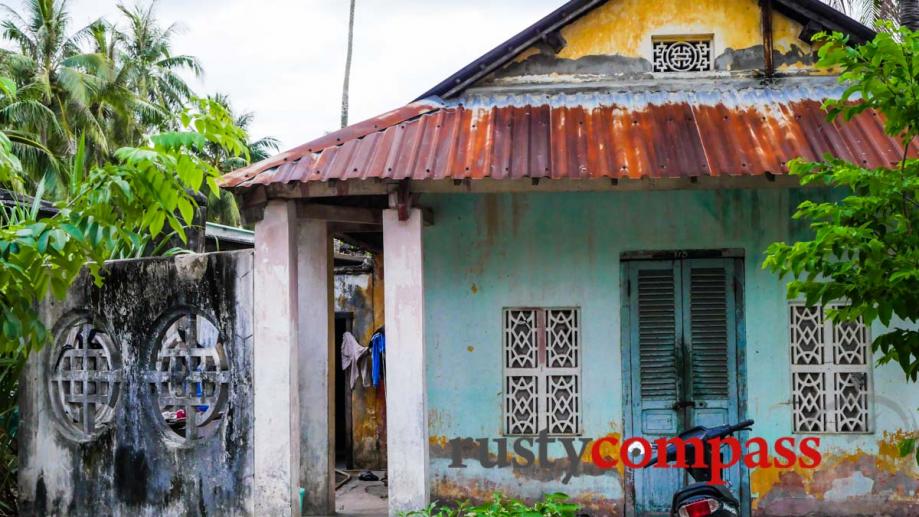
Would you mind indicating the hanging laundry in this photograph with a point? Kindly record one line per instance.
(355, 357)
(378, 355)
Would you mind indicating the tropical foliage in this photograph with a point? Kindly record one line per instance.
(552, 505)
(221, 204)
(109, 84)
(105, 151)
(108, 210)
(866, 11)
(864, 254)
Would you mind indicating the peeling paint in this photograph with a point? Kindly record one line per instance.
(615, 41)
(866, 482)
(564, 249)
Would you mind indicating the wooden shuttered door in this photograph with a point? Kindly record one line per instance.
(682, 350)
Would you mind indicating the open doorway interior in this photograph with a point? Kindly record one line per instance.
(360, 396)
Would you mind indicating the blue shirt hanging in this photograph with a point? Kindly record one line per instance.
(377, 352)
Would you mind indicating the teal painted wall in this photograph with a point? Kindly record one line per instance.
(487, 252)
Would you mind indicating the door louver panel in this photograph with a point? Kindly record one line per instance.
(657, 333)
(708, 305)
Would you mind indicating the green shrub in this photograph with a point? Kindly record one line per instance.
(552, 505)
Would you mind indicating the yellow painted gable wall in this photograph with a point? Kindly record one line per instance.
(624, 29)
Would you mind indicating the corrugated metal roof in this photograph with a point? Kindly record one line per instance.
(631, 133)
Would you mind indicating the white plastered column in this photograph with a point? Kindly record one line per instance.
(317, 400)
(276, 437)
(406, 386)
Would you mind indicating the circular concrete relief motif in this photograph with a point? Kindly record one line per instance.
(190, 377)
(85, 380)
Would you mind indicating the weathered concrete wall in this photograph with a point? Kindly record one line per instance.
(493, 251)
(354, 294)
(361, 294)
(137, 464)
(614, 41)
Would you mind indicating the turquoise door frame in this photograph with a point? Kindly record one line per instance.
(645, 418)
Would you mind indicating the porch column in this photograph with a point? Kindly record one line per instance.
(317, 400)
(276, 437)
(406, 387)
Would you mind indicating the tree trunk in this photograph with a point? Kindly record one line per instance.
(347, 85)
(909, 14)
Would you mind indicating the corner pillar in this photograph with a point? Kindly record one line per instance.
(317, 364)
(276, 436)
(406, 386)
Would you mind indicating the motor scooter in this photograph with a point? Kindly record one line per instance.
(702, 499)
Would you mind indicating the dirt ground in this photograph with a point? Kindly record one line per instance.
(361, 498)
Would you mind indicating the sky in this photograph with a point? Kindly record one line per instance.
(284, 59)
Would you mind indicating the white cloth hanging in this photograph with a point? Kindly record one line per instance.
(355, 357)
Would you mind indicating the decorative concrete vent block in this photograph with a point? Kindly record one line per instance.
(190, 377)
(85, 378)
(682, 53)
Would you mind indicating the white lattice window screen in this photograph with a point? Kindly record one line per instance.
(542, 371)
(682, 54)
(831, 373)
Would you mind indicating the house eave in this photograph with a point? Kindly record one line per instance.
(354, 188)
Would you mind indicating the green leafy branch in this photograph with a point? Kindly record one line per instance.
(864, 253)
(863, 259)
(109, 208)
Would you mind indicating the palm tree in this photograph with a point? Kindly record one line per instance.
(125, 116)
(865, 11)
(152, 71)
(909, 14)
(57, 81)
(905, 12)
(25, 146)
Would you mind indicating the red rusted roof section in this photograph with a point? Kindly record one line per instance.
(342, 136)
(637, 134)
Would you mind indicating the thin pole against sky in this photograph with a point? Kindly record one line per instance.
(344, 92)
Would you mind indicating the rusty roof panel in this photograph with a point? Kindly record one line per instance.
(718, 131)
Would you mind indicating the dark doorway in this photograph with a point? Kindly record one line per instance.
(343, 447)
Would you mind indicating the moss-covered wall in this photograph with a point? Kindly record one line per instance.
(135, 465)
